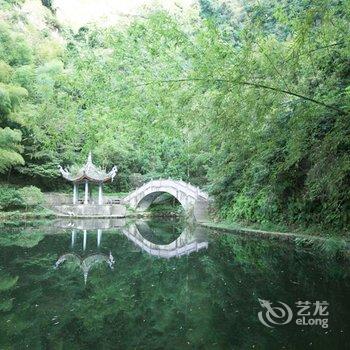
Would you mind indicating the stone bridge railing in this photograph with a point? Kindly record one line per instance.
(180, 185)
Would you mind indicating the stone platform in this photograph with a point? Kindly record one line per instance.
(91, 210)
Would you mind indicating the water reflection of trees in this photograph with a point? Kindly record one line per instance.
(205, 300)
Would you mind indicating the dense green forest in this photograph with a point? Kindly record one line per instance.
(247, 99)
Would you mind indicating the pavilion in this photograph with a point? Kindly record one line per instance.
(88, 173)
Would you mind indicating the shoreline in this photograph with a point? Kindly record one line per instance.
(283, 236)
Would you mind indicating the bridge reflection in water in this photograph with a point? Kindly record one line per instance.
(192, 239)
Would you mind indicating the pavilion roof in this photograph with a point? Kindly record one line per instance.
(89, 172)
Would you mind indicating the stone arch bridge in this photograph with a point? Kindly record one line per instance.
(192, 199)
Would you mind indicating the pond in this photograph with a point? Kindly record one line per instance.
(164, 285)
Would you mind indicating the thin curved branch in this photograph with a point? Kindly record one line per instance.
(339, 43)
(247, 83)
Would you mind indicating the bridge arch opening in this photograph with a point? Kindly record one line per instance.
(161, 202)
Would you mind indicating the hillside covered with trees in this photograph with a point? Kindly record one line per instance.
(247, 99)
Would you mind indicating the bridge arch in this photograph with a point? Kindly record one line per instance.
(145, 202)
(193, 200)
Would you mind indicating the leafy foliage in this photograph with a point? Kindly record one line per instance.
(9, 148)
(31, 195)
(12, 198)
(250, 99)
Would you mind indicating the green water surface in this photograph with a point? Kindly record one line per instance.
(111, 293)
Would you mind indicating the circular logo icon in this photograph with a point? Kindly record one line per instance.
(274, 315)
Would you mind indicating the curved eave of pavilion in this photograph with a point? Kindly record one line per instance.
(89, 172)
(79, 179)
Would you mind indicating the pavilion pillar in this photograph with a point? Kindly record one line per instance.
(99, 236)
(75, 193)
(100, 197)
(86, 199)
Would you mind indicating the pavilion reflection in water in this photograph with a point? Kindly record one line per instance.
(189, 241)
(87, 263)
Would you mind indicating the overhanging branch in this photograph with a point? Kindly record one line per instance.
(247, 83)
